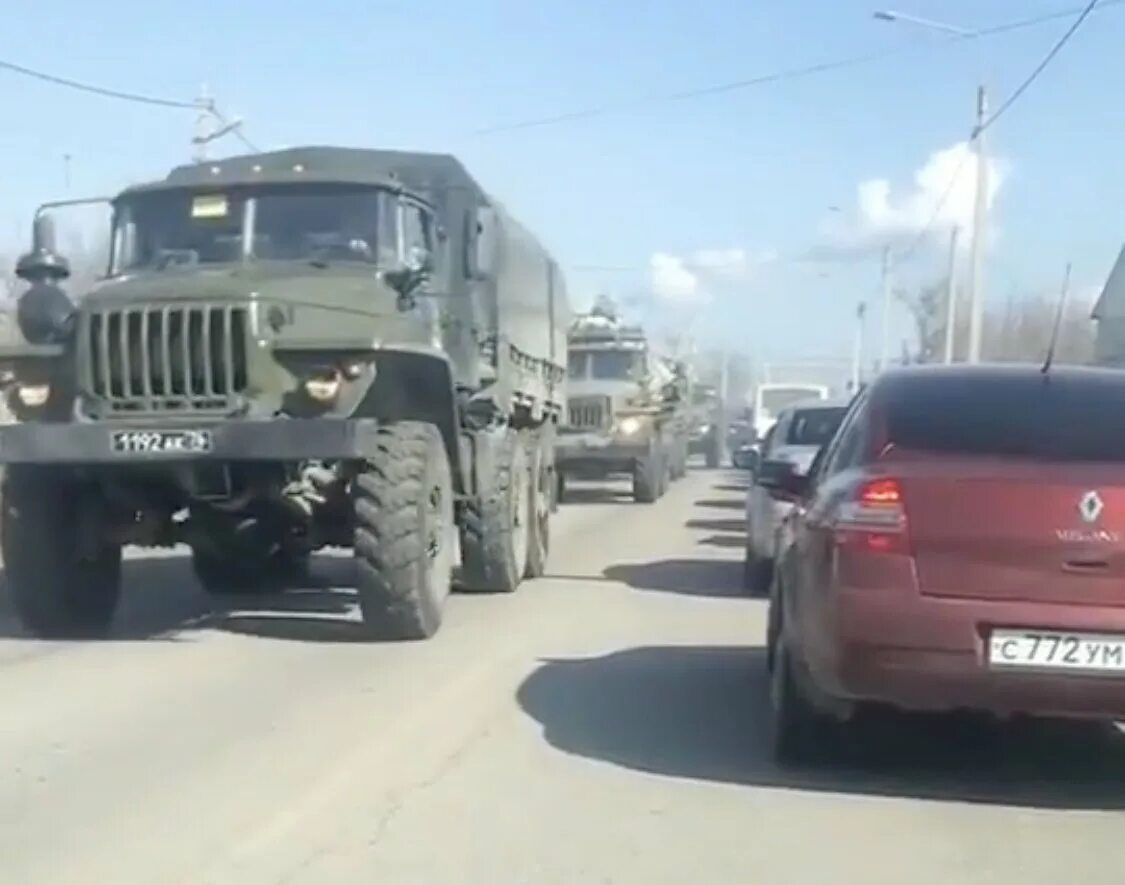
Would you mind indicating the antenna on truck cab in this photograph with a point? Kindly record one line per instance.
(1058, 322)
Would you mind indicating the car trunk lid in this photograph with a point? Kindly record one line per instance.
(988, 528)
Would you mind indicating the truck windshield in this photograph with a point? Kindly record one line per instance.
(613, 364)
(165, 229)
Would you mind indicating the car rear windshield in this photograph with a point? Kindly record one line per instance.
(814, 427)
(1074, 418)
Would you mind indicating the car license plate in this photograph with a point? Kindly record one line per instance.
(1050, 650)
(155, 442)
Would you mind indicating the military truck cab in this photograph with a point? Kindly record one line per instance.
(625, 412)
(291, 350)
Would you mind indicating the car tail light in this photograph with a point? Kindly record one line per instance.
(874, 518)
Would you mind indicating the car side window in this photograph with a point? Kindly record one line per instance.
(847, 445)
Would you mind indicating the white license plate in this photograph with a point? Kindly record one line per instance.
(1051, 650)
(152, 442)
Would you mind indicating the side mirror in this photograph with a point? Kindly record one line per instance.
(746, 458)
(781, 480)
(420, 261)
(412, 276)
(42, 264)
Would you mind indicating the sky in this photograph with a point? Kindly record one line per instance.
(751, 218)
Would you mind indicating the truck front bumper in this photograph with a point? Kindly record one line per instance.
(284, 439)
(598, 453)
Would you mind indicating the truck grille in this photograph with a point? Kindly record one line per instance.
(588, 413)
(157, 359)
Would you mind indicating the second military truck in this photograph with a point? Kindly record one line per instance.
(626, 409)
(309, 347)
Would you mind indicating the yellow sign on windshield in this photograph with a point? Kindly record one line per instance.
(209, 206)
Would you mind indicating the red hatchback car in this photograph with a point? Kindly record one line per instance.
(958, 545)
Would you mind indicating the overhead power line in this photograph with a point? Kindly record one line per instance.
(235, 128)
(93, 89)
(1039, 68)
(204, 105)
(784, 74)
(928, 228)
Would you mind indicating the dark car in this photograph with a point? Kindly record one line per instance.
(958, 545)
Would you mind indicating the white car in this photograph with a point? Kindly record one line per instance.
(798, 434)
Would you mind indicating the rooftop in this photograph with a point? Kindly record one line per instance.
(414, 171)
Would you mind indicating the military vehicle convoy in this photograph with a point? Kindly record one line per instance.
(625, 409)
(706, 418)
(309, 347)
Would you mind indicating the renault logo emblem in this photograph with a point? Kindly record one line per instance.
(1090, 506)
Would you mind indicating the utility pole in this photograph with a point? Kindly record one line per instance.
(951, 297)
(857, 348)
(980, 221)
(721, 430)
(210, 125)
(204, 126)
(885, 352)
(66, 173)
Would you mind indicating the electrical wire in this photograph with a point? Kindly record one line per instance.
(134, 97)
(1047, 59)
(785, 74)
(236, 131)
(925, 231)
(907, 253)
(95, 90)
(774, 77)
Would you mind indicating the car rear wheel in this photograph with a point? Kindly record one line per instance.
(757, 573)
(799, 731)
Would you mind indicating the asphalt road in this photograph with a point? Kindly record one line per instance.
(603, 725)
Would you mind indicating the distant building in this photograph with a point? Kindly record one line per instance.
(1109, 314)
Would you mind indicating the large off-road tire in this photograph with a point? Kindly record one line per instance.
(648, 478)
(402, 500)
(679, 462)
(62, 585)
(495, 530)
(540, 504)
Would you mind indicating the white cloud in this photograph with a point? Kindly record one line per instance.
(689, 279)
(941, 196)
(673, 280)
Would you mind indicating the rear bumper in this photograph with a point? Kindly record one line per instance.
(930, 654)
(292, 439)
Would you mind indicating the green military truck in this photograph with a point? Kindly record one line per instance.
(625, 408)
(705, 422)
(290, 350)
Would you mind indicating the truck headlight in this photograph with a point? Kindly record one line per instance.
(323, 387)
(628, 426)
(33, 395)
